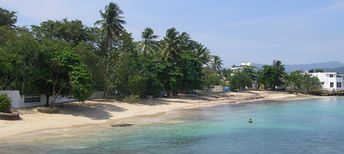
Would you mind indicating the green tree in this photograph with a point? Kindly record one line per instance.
(312, 84)
(239, 81)
(170, 44)
(7, 33)
(62, 72)
(170, 73)
(20, 54)
(7, 18)
(216, 64)
(72, 31)
(112, 26)
(251, 72)
(139, 77)
(126, 44)
(191, 68)
(272, 76)
(93, 62)
(182, 63)
(299, 82)
(202, 52)
(68, 76)
(295, 81)
(148, 44)
(81, 38)
(81, 82)
(210, 78)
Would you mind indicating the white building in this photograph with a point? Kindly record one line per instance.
(330, 81)
(236, 69)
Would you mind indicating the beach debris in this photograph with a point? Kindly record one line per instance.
(121, 125)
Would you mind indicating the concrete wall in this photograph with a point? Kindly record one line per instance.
(18, 100)
(14, 96)
(216, 89)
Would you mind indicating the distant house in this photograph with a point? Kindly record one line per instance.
(236, 69)
(330, 81)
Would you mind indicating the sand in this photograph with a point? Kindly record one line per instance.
(93, 112)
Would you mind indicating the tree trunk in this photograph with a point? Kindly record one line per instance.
(47, 100)
(107, 76)
(167, 93)
(53, 102)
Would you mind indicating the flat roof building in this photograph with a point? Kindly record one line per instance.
(330, 81)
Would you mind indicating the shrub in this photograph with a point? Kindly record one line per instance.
(132, 98)
(5, 104)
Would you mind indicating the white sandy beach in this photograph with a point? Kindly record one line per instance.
(95, 112)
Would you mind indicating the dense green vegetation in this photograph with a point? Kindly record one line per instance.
(239, 81)
(7, 18)
(71, 59)
(274, 77)
(300, 82)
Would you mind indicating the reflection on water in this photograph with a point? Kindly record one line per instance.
(309, 126)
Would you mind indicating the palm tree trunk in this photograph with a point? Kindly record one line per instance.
(107, 76)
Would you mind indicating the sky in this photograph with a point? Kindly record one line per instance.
(259, 31)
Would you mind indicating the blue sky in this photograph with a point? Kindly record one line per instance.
(294, 31)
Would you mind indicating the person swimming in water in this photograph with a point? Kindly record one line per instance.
(250, 121)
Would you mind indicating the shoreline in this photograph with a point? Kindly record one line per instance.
(106, 112)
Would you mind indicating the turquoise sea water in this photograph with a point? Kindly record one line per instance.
(307, 126)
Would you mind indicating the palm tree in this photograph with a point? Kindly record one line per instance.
(278, 65)
(148, 43)
(216, 63)
(112, 26)
(203, 53)
(171, 43)
(185, 39)
(279, 72)
(112, 22)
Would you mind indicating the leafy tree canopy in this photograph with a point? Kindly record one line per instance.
(240, 81)
(299, 82)
(7, 18)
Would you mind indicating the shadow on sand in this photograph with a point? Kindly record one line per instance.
(95, 111)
